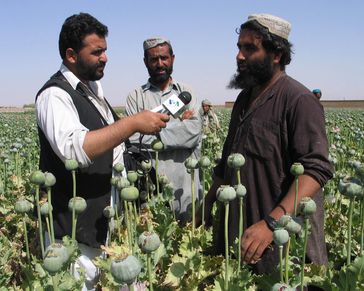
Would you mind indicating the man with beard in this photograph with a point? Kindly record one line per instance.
(76, 122)
(182, 136)
(271, 128)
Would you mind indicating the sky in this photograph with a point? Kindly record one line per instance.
(327, 38)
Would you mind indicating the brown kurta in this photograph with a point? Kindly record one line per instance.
(286, 125)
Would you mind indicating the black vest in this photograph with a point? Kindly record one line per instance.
(93, 182)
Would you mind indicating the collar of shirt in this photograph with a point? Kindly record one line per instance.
(73, 80)
(150, 86)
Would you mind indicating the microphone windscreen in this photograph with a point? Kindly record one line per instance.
(185, 97)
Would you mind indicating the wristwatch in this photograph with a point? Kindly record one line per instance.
(271, 222)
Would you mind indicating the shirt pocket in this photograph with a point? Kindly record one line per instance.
(263, 139)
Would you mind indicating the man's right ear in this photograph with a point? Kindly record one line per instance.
(71, 55)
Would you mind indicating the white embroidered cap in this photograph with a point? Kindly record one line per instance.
(274, 24)
(154, 41)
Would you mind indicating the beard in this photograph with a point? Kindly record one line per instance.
(251, 74)
(156, 78)
(90, 72)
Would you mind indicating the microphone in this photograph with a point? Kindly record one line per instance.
(174, 104)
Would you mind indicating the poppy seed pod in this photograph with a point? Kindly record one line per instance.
(297, 169)
(22, 206)
(282, 287)
(148, 242)
(53, 263)
(293, 226)
(59, 250)
(80, 204)
(280, 236)
(49, 179)
(350, 187)
(225, 193)
(122, 183)
(132, 176)
(44, 209)
(125, 271)
(146, 165)
(307, 206)
(109, 212)
(114, 181)
(157, 145)
(240, 190)
(71, 164)
(119, 167)
(236, 160)
(37, 177)
(130, 193)
(191, 163)
(204, 162)
(284, 220)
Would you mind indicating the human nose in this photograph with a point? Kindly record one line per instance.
(240, 56)
(103, 57)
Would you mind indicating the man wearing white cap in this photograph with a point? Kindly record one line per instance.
(182, 136)
(270, 127)
(210, 122)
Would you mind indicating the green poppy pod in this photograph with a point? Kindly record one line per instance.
(122, 183)
(204, 162)
(130, 193)
(293, 226)
(307, 206)
(140, 173)
(114, 181)
(354, 190)
(118, 167)
(148, 242)
(350, 187)
(37, 177)
(225, 193)
(282, 287)
(125, 271)
(71, 164)
(22, 206)
(44, 209)
(109, 212)
(49, 179)
(80, 205)
(53, 263)
(280, 236)
(297, 169)
(235, 160)
(191, 163)
(163, 179)
(59, 250)
(284, 220)
(157, 145)
(146, 165)
(132, 176)
(240, 191)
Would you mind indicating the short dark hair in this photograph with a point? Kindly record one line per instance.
(165, 43)
(75, 29)
(272, 43)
